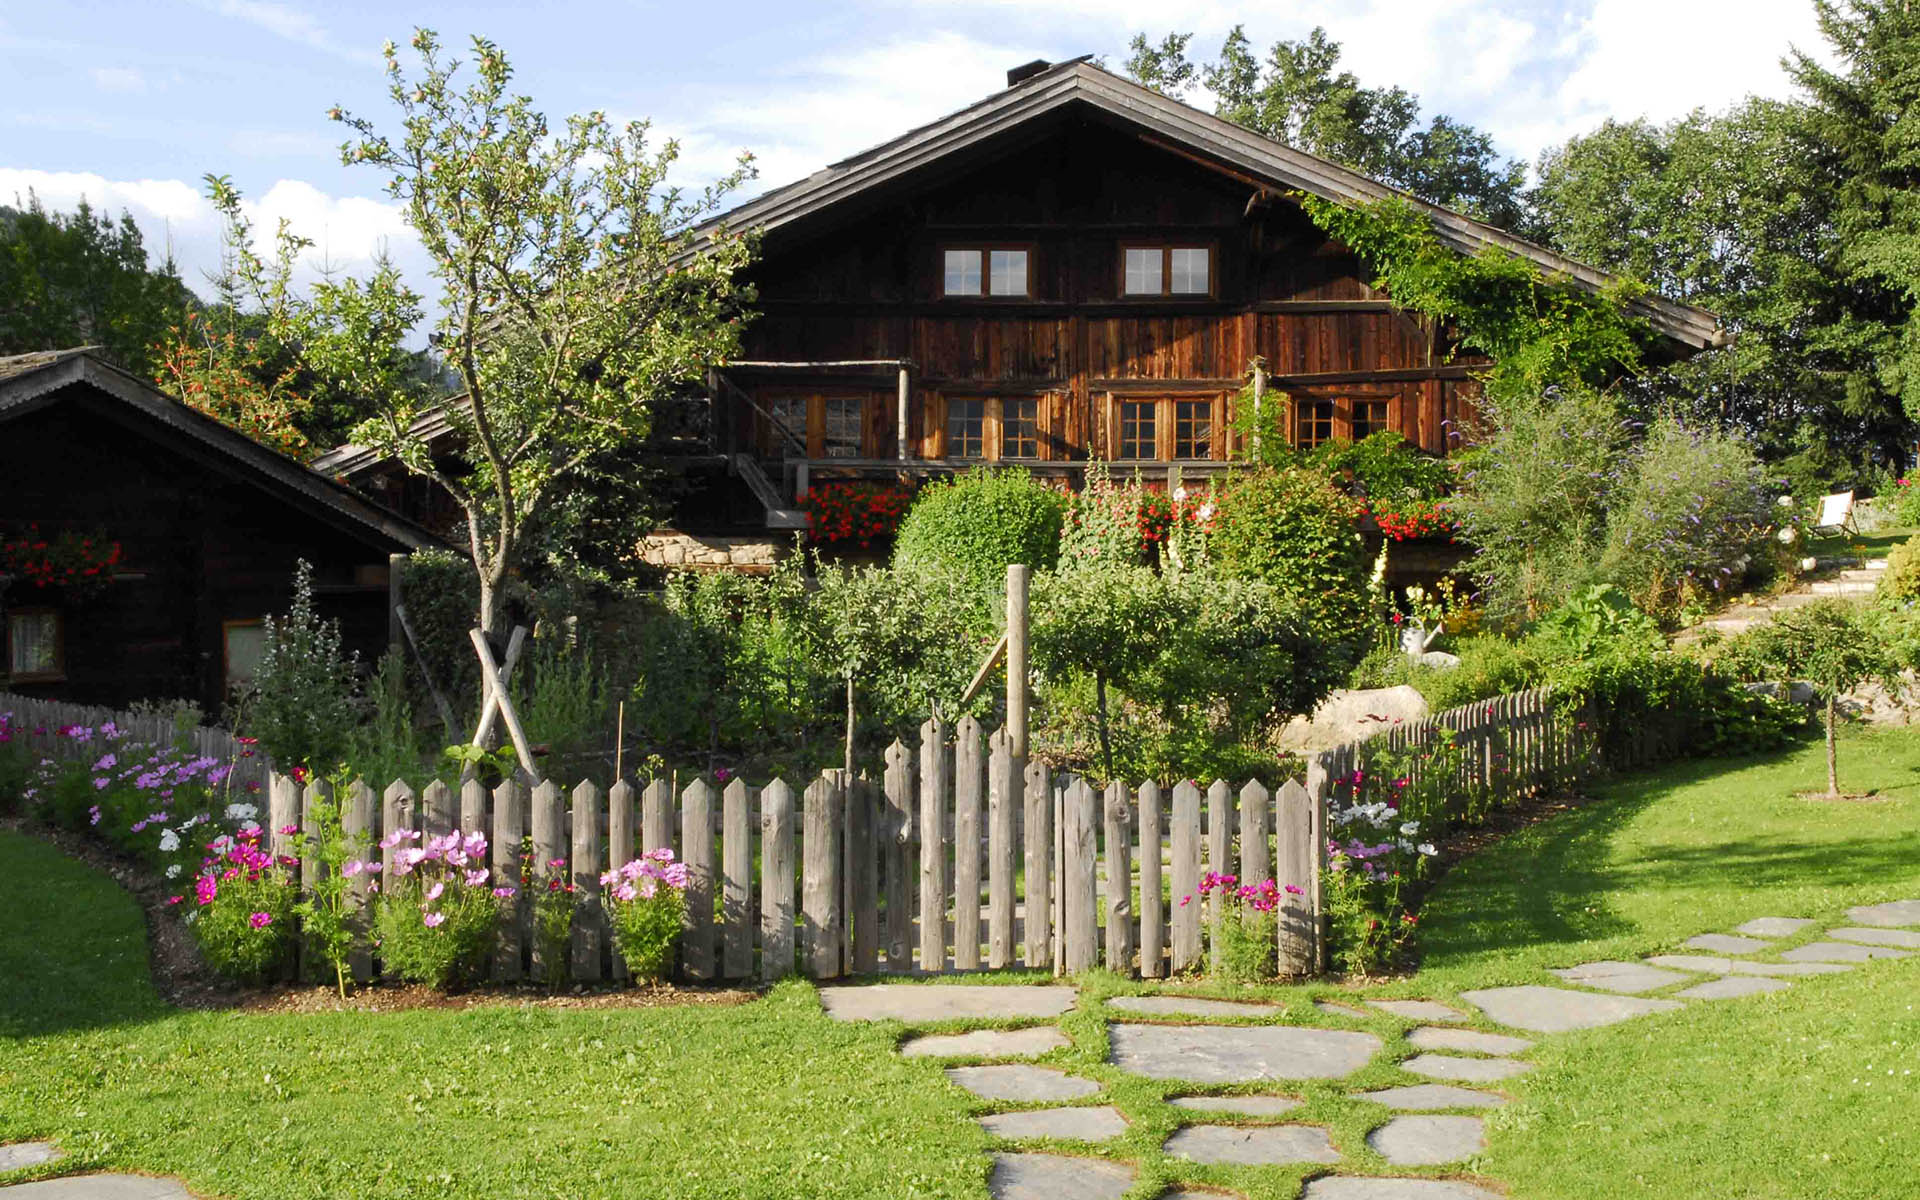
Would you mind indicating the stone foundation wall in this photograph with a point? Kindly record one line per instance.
(666, 548)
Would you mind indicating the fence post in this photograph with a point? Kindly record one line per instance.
(776, 880)
(656, 816)
(318, 791)
(1018, 575)
(968, 781)
(620, 848)
(1319, 788)
(1219, 845)
(736, 880)
(863, 876)
(896, 839)
(436, 803)
(509, 826)
(1079, 918)
(1003, 798)
(473, 806)
(696, 851)
(1256, 858)
(356, 821)
(1119, 847)
(549, 821)
(1294, 869)
(1037, 784)
(587, 915)
(397, 808)
(934, 786)
(1185, 879)
(820, 877)
(1152, 911)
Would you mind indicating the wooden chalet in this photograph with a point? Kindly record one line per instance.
(1076, 267)
(209, 524)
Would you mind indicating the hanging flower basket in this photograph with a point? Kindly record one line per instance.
(79, 566)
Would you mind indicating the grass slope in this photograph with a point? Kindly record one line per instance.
(768, 1099)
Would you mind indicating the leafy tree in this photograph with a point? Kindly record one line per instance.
(1108, 621)
(1290, 530)
(228, 377)
(84, 279)
(1300, 96)
(1834, 646)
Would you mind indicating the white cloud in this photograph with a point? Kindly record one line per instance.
(119, 79)
(175, 217)
(292, 23)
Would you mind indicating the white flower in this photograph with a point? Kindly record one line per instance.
(1206, 512)
(169, 841)
(173, 872)
(1788, 535)
(1180, 494)
(1426, 849)
(1409, 829)
(1808, 564)
(1785, 502)
(241, 811)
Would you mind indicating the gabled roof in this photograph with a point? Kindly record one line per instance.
(29, 382)
(1079, 83)
(350, 458)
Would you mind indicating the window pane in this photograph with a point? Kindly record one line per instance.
(1019, 429)
(1313, 422)
(1189, 270)
(1137, 429)
(1143, 272)
(966, 428)
(33, 639)
(963, 273)
(1369, 417)
(843, 420)
(788, 434)
(1009, 268)
(244, 644)
(1193, 429)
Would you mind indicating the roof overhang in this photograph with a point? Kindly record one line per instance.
(1274, 164)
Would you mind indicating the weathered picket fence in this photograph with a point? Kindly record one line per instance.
(37, 723)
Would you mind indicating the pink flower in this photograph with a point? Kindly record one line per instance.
(503, 893)
(476, 878)
(434, 920)
(260, 920)
(433, 893)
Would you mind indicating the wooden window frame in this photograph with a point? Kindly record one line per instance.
(813, 433)
(993, 442)
(59, 672)
(1166, 418)
(1354, 404)
(985, 252)
(1298, 417)
(1000, 427)
(1166, 291)
(226, 662)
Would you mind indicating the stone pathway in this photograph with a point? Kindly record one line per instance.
(1433, 1125)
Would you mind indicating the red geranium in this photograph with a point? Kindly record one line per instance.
(76, 563)
(853, 513)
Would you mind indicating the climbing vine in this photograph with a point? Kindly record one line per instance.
(1539, 331)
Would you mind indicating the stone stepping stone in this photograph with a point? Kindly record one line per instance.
(1189, 1006)
(1071, 1124)
(1239, 1053)
(1252, 1146)
(1467, 1070)
(1185, 1194)
(103, 1187)
(1421, 1097)
(1419, 1010)
(1700, 963)
(1897, 913)
(1056, 1177)
(1354, 1187)
(936, 1002)
(1239, 1106)
(1728, 966)
(1773, 927)
(1627, 978)
(1839, 952)
(1428, 1141)
(1557, 1010)
(1017, 1081)
(1342, 1010)
(1906, 939)
(1725, 943)
(1789, 969)
(27, 1154)
(987, 1043)
(1431, 1037)
(1733, 986)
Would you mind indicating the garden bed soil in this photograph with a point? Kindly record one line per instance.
(184, 980)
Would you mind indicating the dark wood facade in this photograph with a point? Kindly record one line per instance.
(210, 527)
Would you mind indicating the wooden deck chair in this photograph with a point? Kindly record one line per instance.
(1836, 514)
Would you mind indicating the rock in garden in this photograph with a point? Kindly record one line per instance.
(1240, 1106)
(1351, 716)
(1839, 952)
(1352, 1187)
(1189, 1006)
(1468, 1070)
(1628, 978)
(1434, 1037)
(987, 1043)
(1897, 913)
(1422, 1097)
(1557, 1010)
(101, 1187)
(1724, 943)
(1070, 1124)
(1906, 939)
(1419, 1010)
(1239, 1054)
(1773, 927)
(1732, 987)
(27, 1154)
(1056, 1177)
(1423, 1141)
(1252, 1146)
(1016, 1081)
(919, 1004)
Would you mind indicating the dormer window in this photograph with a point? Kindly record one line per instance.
(985, 270)
(1166, 270)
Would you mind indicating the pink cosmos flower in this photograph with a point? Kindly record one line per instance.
(434, 920)
(476, 878)
(433, 893)
(503, 893)
(260, 920)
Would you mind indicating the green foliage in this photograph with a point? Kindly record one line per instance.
(1247, 943)
(446, 955)
(83, 279)
(1109, 622)
(1603, 615)
(1541, 333)
(300, 704)
(1900, 582)
(1289, 529)
(981, 522)
(563, 701)
(1834, 645)
(385, 746)
(242, 913)
(1300, 97)
(1387, 466)
(556, 901)
(324, 916)
(438, 589)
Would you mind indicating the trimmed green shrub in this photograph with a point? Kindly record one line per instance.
(1289, 529)
(1900, 583)
(980, 523)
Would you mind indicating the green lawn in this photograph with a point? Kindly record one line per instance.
(1798, 1094)
(1862, 545)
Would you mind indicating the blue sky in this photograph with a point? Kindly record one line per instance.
(130, 103)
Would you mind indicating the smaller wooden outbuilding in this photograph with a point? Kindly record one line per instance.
(191, 531)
